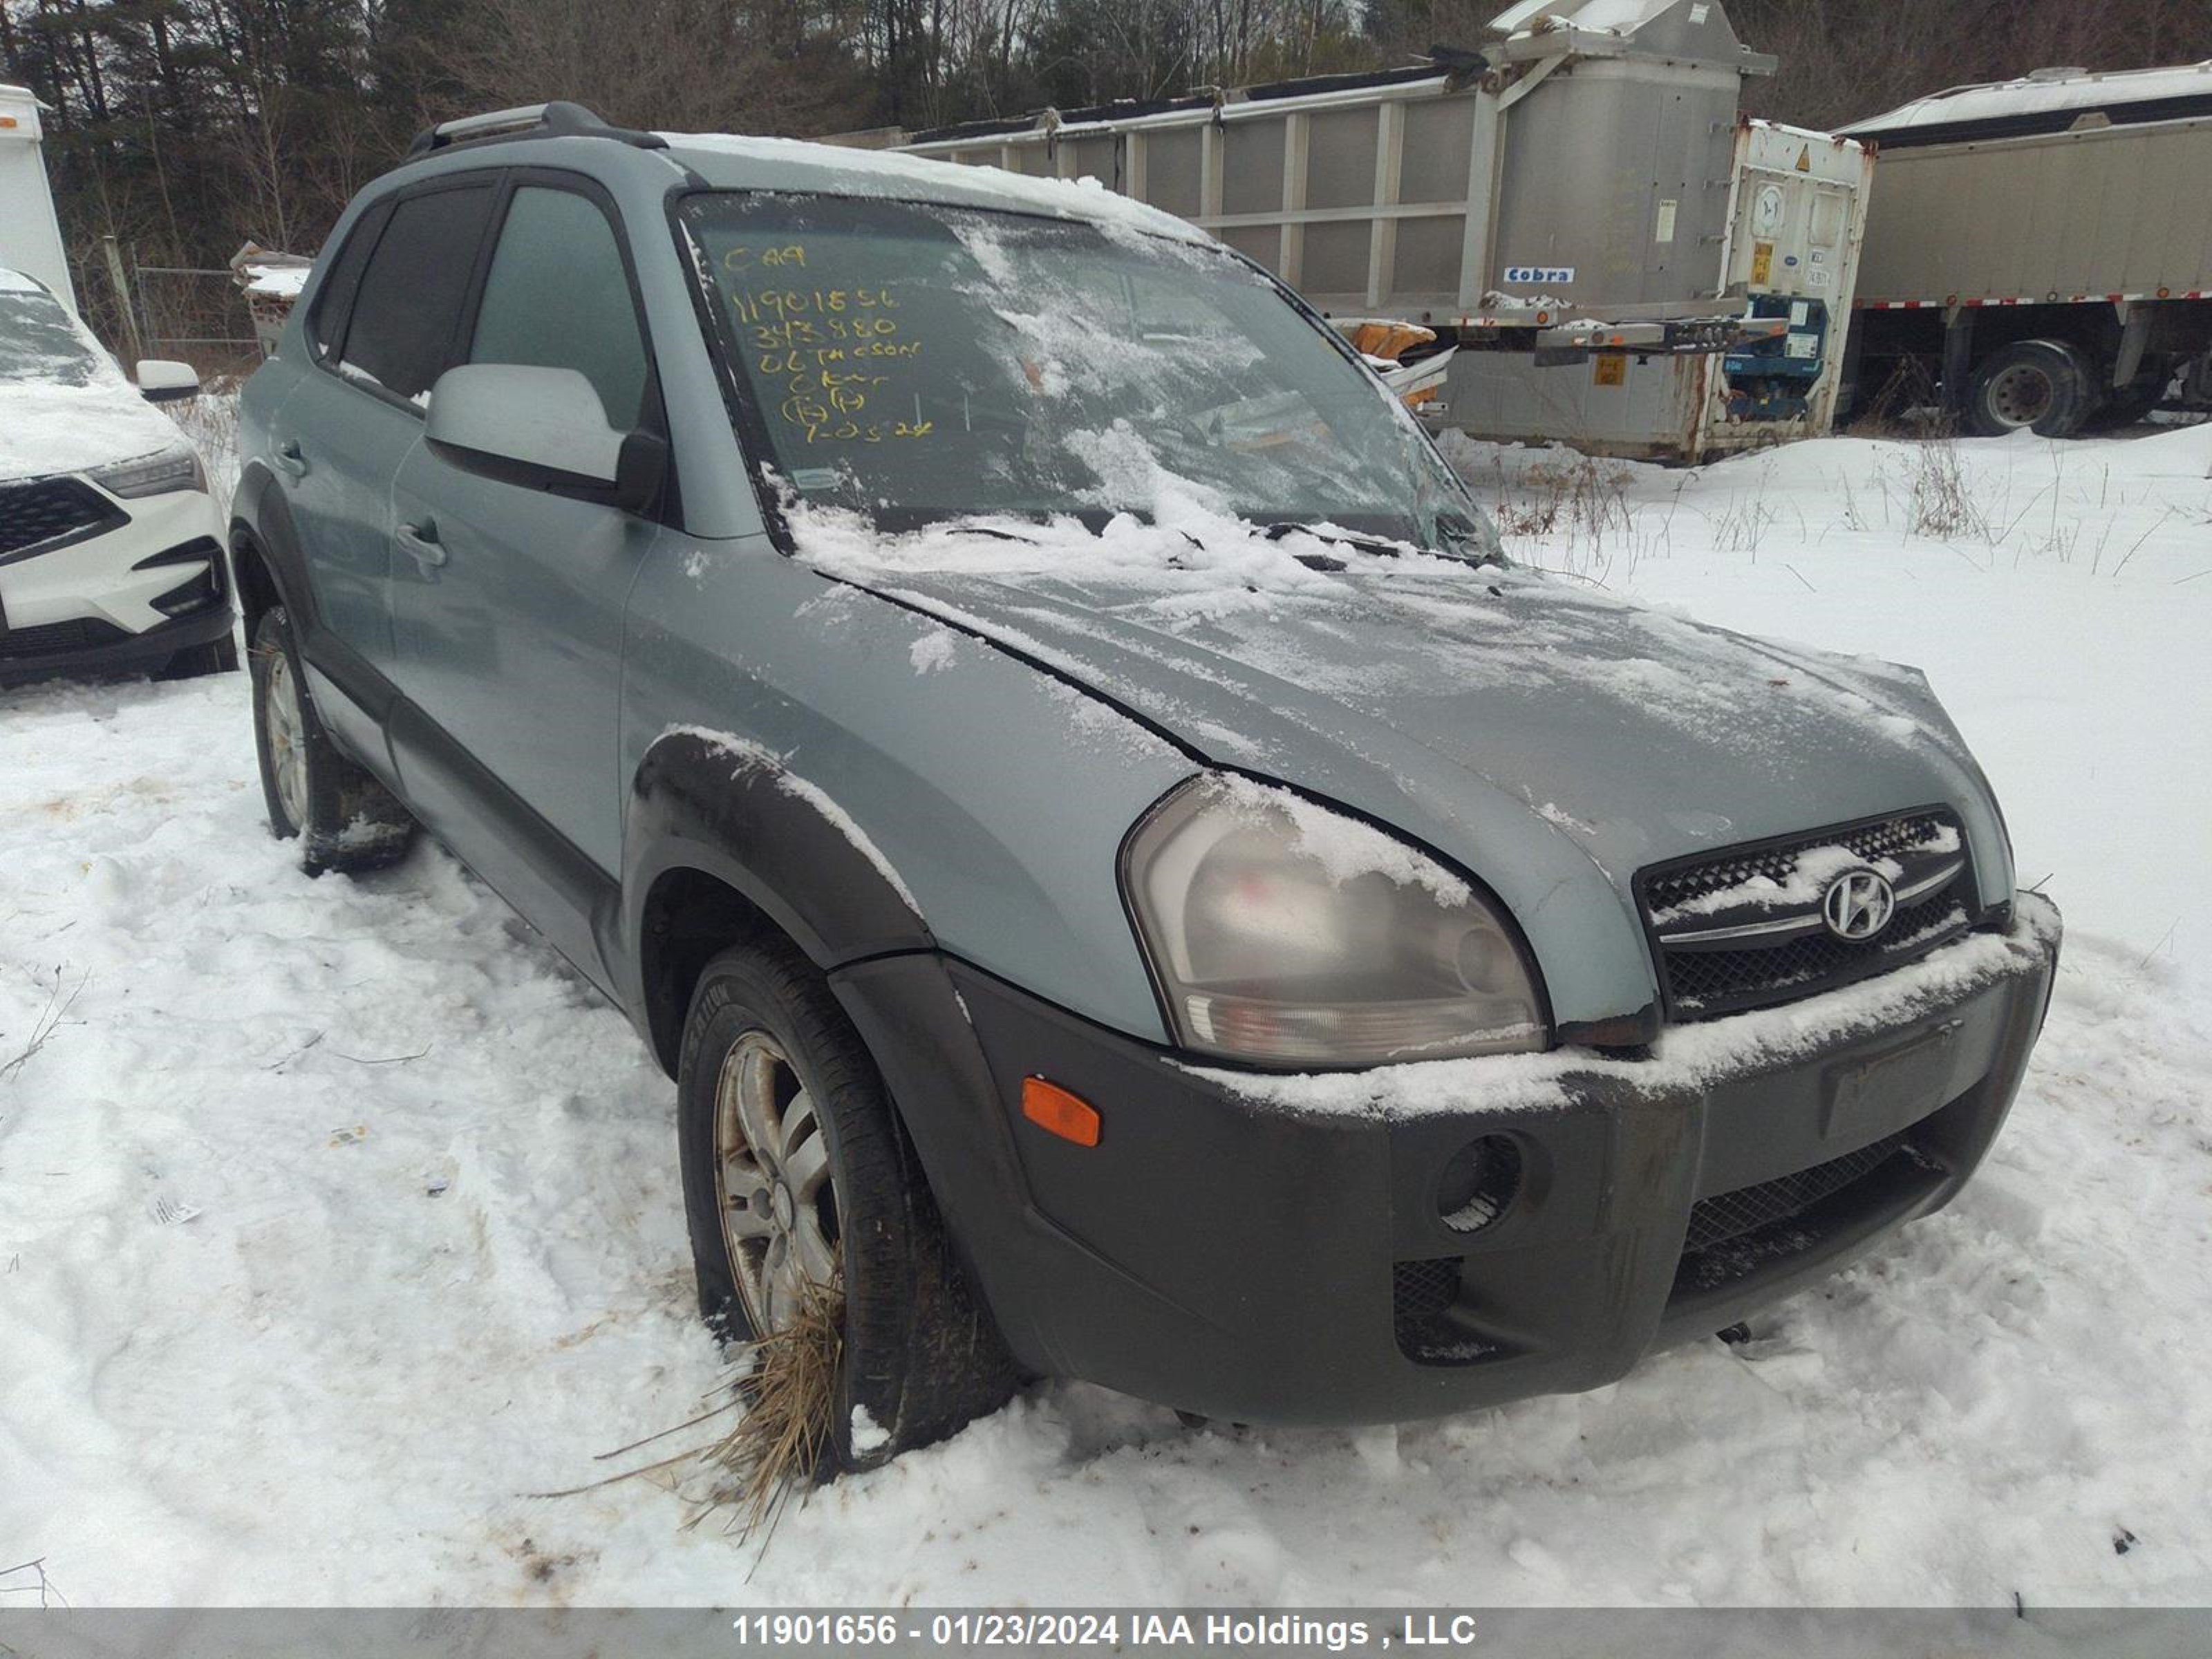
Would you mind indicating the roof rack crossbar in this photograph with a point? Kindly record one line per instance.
(556, 119)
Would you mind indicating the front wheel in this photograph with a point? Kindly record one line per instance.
(803, 1193)
(343, 819)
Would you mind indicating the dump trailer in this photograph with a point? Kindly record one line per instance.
(30, 236)
(1571, 203)
(2038, 252)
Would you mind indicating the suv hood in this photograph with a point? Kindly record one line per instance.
(1501, 715)
(46, 428)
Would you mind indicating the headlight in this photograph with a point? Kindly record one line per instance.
(1279, 931)
(152, 474)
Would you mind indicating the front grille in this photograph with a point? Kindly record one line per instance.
(53, 510)
(1422, 1296)
(1725, 1216)
(1706, 983)
(1419, 1291)
(1779, 884)
(82, 634)
(1736, 1237)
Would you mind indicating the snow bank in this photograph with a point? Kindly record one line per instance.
(438, 1261)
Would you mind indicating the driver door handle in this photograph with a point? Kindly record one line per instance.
(289, 460)
(422, 541)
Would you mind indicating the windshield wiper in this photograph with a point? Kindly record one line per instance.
(1370, 544)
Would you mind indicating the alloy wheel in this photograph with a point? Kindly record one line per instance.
(772, 1184)
(287, 728)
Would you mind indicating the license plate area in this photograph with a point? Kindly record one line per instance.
(1877, 1097)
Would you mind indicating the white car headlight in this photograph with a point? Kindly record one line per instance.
(1281, 931)
(152, 474)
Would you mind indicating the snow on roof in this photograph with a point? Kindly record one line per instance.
(833, 169)
(1623, 16)
(283, 282)
(2042, 93)
(14, 282)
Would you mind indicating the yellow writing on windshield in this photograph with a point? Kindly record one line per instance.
(831, 353)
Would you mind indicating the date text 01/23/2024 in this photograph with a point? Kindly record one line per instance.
(1013, 1629)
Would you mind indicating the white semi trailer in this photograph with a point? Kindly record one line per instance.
(1574, 202)
(30, 235)
(2040, 251)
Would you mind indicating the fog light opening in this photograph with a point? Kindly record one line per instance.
(1479, 1183)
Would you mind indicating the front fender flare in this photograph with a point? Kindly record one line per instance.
(720, 805)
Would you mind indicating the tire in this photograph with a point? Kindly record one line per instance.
(920, 1352)
(2125, 407)
(343, 819)
(196, 661)
(2044, 385)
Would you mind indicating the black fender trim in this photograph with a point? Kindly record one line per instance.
(702, 806)
(261, 522)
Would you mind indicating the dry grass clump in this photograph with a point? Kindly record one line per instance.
(782, 1443)
(1583, 495)
(786, 1392)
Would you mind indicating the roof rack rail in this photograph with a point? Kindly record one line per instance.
(558, 120)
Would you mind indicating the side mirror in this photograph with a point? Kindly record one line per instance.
(542, 428)
(160, 381)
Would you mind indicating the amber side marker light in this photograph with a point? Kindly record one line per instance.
(1053, 1109)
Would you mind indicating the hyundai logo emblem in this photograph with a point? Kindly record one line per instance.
(1857, 906)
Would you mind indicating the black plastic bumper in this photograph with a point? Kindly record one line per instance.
(1229, 1255)
(122, 651)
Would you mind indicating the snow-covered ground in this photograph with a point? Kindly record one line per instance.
(338, 1218)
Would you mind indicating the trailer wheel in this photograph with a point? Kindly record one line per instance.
(2043, 385)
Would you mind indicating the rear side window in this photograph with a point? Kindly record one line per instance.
(408, 306)
(558, 297)
(327, 317)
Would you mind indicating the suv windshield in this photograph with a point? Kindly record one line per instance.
(920, 363)
(39, 342)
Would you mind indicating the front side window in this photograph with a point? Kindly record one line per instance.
(919, 363)
(558, 297)
(408, 306)
(41, 343)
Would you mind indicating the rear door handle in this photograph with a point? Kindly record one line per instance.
(289, 460)
(422, 541)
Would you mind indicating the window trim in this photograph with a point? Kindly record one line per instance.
(334, 355)
(652, 412)
(652, 409)
(368, 231)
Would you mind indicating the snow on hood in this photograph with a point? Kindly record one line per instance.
(46, 430)
(64, 406)
(1639, 733)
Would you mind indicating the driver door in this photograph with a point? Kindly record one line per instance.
(508, 599)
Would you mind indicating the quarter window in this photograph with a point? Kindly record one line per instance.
(558, 297)
(409, 307)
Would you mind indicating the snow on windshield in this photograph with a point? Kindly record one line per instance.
(42, 344)
(922, 363)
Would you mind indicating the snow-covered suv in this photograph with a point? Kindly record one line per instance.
(1130, 882)
(111, 554)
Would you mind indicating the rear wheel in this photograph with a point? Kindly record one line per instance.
(802, 1190)
(2045, 387)
(343, 819)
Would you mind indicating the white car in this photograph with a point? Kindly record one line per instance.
(110, 549)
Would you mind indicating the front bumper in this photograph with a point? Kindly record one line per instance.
(1248, 1246)
(87, 602)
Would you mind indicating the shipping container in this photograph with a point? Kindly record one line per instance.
(1562, 202)
(2039, 253)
